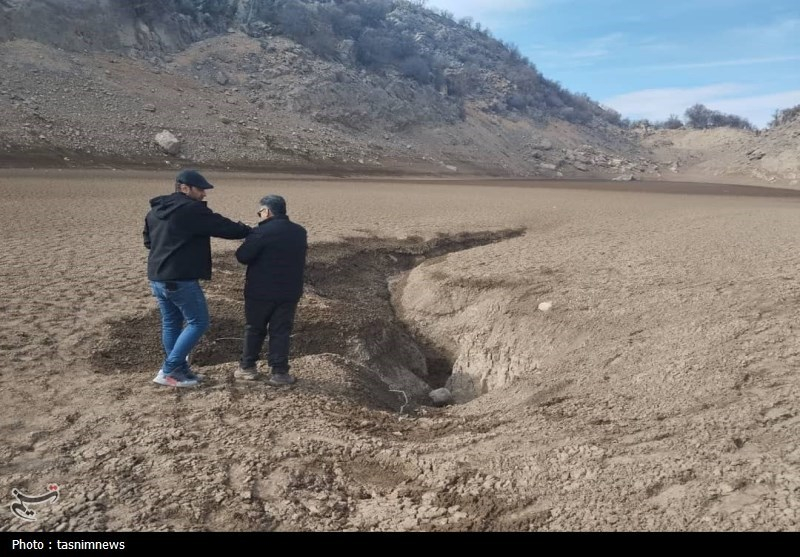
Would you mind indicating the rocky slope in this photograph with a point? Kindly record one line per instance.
(245, 94)
(727, 154)
(223, 84)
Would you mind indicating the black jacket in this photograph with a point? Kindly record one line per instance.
(275, 255)
(177, 231)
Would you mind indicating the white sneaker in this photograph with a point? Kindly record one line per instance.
(175, 379)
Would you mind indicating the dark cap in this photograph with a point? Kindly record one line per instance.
(193, 178)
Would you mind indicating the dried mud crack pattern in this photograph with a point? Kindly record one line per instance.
(657, 393)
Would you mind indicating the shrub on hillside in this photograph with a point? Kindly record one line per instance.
(376, 48)
(460, 58)
(417, 68)
(518, 101)
(612, 117)
(371, 12)
(297, 20)
(464, 82)
(698, 116)
(701, 117)
(785, 116)
(671, 123)
(347, 25)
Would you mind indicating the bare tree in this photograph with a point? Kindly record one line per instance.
(785, 116)
(702, 117)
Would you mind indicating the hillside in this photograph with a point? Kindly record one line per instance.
(726, 154)
(346, 87)
(100, 79)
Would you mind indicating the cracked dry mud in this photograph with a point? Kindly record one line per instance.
(659, 392)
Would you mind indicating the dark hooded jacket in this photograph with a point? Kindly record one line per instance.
(275, 255)
(177, 231)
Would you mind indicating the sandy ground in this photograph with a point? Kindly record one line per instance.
(658, 392)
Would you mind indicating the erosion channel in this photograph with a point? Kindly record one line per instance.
(346, 310)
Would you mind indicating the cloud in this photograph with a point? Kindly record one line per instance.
(721, 63)
(584, 54)
(782, 30)
(657, 104)
(598, 47)
(730, 98)
(758, 109)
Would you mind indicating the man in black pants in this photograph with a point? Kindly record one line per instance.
(275, 255)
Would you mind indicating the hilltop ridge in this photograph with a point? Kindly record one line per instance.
(355, 87)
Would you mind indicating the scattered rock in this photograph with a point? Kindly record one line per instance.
(402, 115)
(441, 397)
(221, 78)
(545, 306)
(625, 178)
(168, 142)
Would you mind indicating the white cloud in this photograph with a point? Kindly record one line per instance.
(758, 109)
(579, 54)
(785, 29)
(598, 47)
(657, 104)
(730, 98)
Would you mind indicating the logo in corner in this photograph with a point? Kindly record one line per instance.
(22, 508)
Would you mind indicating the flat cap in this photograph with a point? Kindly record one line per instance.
(193, 178)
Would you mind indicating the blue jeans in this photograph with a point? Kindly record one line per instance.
(179, 301)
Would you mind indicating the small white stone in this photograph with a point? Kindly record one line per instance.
(545, 306)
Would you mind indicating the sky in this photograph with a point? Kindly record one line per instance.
(653, 58)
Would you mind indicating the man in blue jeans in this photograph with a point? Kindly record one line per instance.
(178, 231)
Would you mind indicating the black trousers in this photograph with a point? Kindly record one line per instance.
(263, 318)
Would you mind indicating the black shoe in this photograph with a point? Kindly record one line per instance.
(281, 379)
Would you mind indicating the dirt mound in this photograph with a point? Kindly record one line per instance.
(728, 154)
(345, 311)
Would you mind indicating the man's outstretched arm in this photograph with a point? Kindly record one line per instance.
(206, 222)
